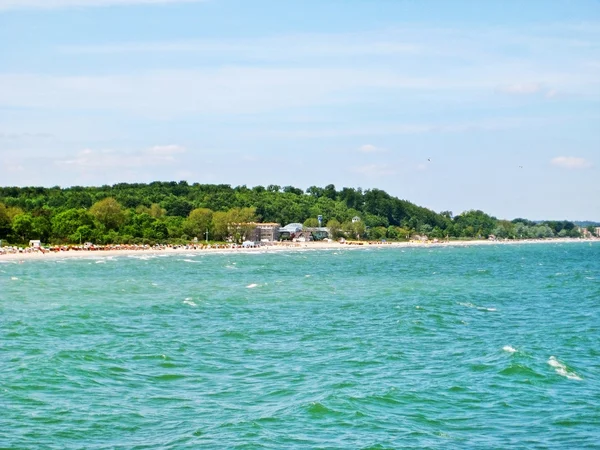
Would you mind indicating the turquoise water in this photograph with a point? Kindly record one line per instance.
(479, 347)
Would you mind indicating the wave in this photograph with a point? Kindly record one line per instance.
(562, 369)
(480, 308)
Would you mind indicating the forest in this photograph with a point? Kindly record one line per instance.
(178, 212)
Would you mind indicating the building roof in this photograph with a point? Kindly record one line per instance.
(293, 227)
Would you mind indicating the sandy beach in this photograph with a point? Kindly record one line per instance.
(74, 252)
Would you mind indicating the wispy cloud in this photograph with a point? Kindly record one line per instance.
(521, 88)
(19, 136)
(495, 124)
(223, 90)
(265, 48)
(58, 4)
(369, 148)
(89, 159)
(375, 170)
(528, 89)
(166, 151)
(571, 162)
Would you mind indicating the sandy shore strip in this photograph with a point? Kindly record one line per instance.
(276, 247)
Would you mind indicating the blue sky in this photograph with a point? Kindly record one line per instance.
(453, 105)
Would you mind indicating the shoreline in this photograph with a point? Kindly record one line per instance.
(153, 251)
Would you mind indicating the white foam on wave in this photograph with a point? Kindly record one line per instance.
(480, 308)
(189, 301)
(14, 278)
(253, 285)
(142, 257)
(101, 261)
(509, 349)
(191, 261)
(562, 370)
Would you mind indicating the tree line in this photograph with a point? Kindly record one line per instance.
(177, 212)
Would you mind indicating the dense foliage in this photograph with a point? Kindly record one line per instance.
(178, 212)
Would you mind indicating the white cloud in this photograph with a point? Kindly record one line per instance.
(176, 92)
(375, 170)
(521, 88)
(503, 123)
(528, 89)
(112, 159)
(368, 148)
(57, 4)
(166, 150)
(571, 162)
(264, 48)
(20, 136)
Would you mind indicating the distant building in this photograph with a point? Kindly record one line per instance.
(290, 230)
(34, 243)
(263, 232)
(319, 233)
(355, 219)
(303, 236)
(267, 232)
(597, 231)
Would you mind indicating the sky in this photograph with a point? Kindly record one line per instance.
(453, 105)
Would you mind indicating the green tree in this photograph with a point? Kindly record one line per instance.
(335, 228)
(240, 221)
(84, 233)
(392, 232)
(377, 233)
(65, 224)
(5, 222)
(109, 213)
(311, 222)
(23, 228)
(42, 228)
(220, 225)
(198, 222)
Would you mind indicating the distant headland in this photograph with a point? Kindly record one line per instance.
(181, 214)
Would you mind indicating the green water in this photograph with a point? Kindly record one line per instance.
(480, 347)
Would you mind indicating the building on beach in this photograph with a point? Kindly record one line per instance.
(266, 232)
(273, 232)
(290, 231)
(319, 233)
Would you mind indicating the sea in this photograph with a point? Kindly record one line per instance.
(475, 347)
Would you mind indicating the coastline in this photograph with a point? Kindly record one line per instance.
(277, 247)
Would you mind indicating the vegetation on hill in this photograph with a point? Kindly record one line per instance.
(178, 212)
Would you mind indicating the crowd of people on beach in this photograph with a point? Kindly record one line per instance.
(8, 250)
(90, 248)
